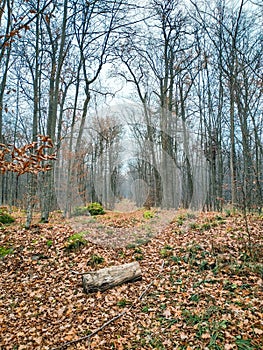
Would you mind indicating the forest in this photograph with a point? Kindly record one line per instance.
(131, 137)
(160, 103)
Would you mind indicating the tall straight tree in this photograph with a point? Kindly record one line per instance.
(171, 25)
(59, 44)
(5, 54)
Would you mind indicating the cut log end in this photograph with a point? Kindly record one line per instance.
(110, 277)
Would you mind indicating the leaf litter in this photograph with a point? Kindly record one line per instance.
(202, 284)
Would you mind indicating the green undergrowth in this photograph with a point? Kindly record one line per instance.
(95, 209)
(95, 260)
(148, 214)
(5, 251)
(76, 241)
(92, 209)
(6, 218)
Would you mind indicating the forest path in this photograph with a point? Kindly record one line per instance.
(121, 229)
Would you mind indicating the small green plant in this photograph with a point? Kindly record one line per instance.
(139, 257)
(90, 220)
(137, 250)
(5, 251)
(166, 251)
(148, 214)
(191, 215)
(121, 254)
(156, 343)
(49, 243)
(193, 225)
(180, 219)
(176, 259)
(229, 285)
(109, 232)
(228, 213)
(203, 265)
(206, 226)
(95, 209)
(179, 222)
(95, 260)
(244, 344)
(145, 308)
(5, 218)
(257, 268)
(191, 318)
(76, 241)
(123, 302)
(195, 298)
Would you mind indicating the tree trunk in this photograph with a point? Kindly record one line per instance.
(109, 277)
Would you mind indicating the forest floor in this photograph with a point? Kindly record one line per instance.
(201, 287)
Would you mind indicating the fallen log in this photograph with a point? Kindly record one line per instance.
(109, 277)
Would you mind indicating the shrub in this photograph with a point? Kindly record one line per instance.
(95, 209)
(5, 218)
(76, 241)
(148, 214)
(79, 211)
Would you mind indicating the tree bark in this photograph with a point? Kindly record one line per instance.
(109, 277)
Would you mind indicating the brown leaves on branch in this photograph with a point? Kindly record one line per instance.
(31, 158)
(8, 38)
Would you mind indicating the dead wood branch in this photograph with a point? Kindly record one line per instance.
(109, 277)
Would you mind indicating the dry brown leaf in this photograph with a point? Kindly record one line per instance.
(258, 331)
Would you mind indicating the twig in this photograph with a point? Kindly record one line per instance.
(62, 346)
(93, 333)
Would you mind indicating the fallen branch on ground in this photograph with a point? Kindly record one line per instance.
(112, 276)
